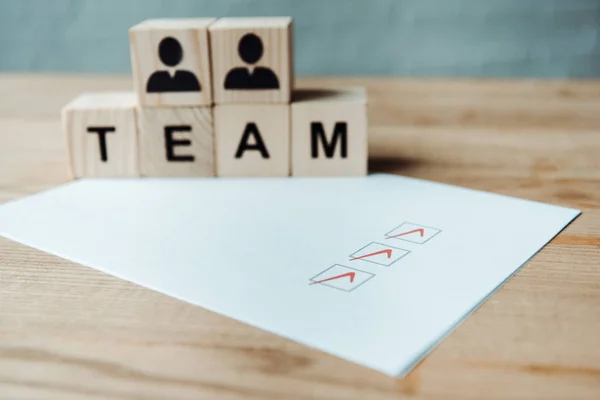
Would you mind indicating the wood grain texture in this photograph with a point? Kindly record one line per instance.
(101, 134)
(258, 133)
(329, 132)
(192, 35)
(275, 35)
(176, 142)
(69, 332)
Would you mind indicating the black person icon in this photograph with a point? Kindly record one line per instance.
(250, 49)
(171, 54)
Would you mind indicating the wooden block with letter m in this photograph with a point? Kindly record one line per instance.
(329, 132)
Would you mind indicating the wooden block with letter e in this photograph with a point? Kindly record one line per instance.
(101, 131)
(176, 142)
(329, 132)
(252, 60)
(171, 62)
(252, 139)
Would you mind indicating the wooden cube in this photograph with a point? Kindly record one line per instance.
(176, 142)
(101, 131)
(171, 62)
(252, 60)
(329, 132)
(252, 139)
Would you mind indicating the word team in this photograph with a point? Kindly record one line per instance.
(215, 97)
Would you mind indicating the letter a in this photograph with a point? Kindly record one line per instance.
(251, 129)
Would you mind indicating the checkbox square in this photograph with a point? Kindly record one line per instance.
(413, 233)
(341, 277)
(378, 253)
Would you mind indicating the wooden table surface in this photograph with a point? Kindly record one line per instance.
(70, 332)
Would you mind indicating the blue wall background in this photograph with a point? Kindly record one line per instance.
(501, 38)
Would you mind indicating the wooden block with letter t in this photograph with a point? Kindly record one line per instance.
(171, 62)
(176, 142)
(252, 139)
(329, 132)
(101, 131)
(252, 60)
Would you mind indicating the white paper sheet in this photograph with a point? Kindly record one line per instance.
(376, 270)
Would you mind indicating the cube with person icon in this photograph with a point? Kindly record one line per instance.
(252, 60)
(171, 62)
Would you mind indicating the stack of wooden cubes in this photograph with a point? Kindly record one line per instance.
(215, 97)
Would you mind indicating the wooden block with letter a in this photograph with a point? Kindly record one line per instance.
(329, 132)
(252, 60)
(176, 142)
(100, 130)
(252, 139)
(171, 62)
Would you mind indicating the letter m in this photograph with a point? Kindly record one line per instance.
(317, 134)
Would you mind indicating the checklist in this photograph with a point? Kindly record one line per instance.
(375, 270)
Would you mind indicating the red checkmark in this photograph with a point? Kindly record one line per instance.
(387, 251)
(351, 275)
(420, 230)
